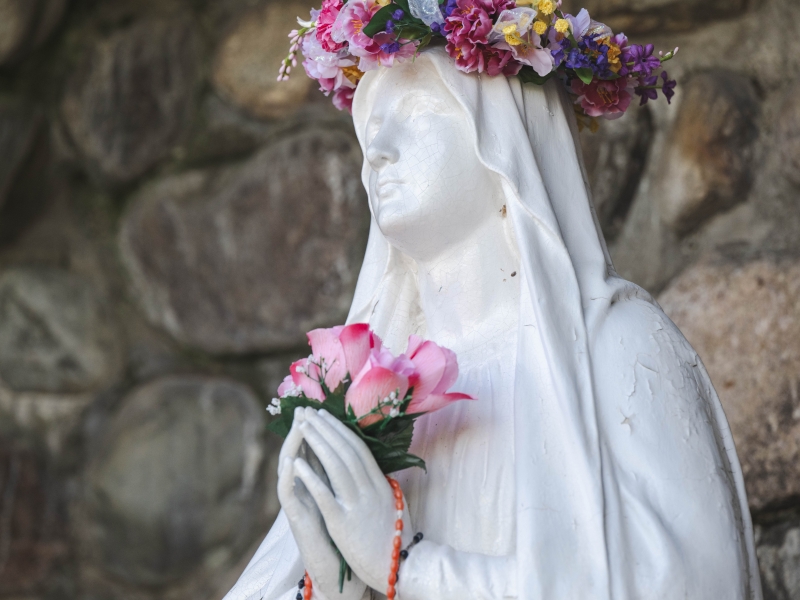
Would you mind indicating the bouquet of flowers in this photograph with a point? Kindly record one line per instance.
(374, 393)
(532, 39)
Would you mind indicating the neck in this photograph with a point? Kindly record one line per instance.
(470, 293)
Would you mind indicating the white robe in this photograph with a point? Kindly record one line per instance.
(626, 484)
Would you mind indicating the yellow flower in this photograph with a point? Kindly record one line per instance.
(526, 2)
(562, 26)
(353, 74)
(613, 55)
(512, 37)
(383, 2)
(547, 7)
(540, 27)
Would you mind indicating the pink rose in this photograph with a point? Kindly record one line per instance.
(335, 353)
(437, 370)
(383, 374)
(608, 99)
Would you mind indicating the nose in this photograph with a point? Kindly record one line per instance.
(381, 151)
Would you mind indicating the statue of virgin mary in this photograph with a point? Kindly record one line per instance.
(596, 462)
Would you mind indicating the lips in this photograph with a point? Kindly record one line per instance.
(381, 186)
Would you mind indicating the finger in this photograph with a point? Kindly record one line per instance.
(357, 445)
(323, 496)
(338, 473)
(286, 495)
(291, 445)
(343, 446)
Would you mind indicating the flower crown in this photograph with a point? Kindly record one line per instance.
(532, 39)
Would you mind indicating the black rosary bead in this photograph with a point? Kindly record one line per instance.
(299, 596)
(404, 554)
(302, 583)
(418, 538)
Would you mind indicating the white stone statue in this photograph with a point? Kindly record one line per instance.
(596, 464)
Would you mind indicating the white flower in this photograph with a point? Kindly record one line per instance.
(394, 412)
(274, 407)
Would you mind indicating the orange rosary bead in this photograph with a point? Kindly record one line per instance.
(307, 587)
(397, 540)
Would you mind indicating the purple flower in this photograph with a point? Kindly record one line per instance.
(448, 7)
(391, 48)
(398, 14)
(644, 63)
(669, 86)
(436, 28)
(646, 90)
(389, 26)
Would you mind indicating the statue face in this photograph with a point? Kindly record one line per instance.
(427, 187)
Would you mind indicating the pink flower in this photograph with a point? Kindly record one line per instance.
(437, 371)
(382, 376)
(349, 25)
(467, 32)
(382, 57)
(327, 16)
(608, 99)
(343, 99)
(326, 67)
(514, 33)
(335, 353)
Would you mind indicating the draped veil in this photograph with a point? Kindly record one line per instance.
(628, 484)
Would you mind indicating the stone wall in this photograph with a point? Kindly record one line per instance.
(165, 204)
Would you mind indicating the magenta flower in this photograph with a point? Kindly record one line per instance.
(325, 19)
(467, 32)
(607, 99)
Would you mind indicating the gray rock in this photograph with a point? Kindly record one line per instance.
(26, 24)
(789, 134)
(55, 333)
(130, 100)
(176, 479)
(744, 322)
(779, 558)
(645, 16)
(708, 162)
(246, 66)
(19, 126)
(615, 159)
(248, 258)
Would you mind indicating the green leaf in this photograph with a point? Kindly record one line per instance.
(528, 75)
(412, 32)
(585, 75)
(283, 422)
(378, 21)
(424, 42)
(404, 5)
